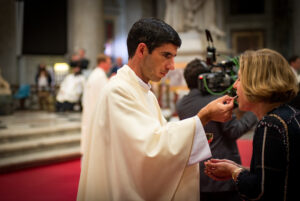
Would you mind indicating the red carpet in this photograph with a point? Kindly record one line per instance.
(59, 182)
(245, 148)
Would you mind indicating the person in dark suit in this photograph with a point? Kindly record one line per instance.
(83, 61)
(225, 134)
(79, 59)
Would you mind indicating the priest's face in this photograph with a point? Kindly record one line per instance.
(157, 64)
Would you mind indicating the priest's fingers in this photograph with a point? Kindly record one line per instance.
(228, 99)
(216, 110)
(221, 109)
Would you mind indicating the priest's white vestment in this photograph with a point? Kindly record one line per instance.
(132, 152)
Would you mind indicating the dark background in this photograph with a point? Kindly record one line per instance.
(45, 27)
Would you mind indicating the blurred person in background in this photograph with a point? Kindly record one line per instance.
(93, 88)
(43, 81)
(79, 59)
(294, 62)
(6, 101)
(83, 61)
(116, 67)
(43, 78)
(70, 90)
(4, 85)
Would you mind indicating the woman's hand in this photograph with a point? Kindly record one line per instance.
(220, 169)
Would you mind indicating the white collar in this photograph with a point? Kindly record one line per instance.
(143, 84)
(146, 86)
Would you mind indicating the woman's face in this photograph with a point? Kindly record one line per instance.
(244, 104)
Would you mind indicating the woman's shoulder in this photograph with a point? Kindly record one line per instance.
(286, 113)
(271, 122)
(279, 118)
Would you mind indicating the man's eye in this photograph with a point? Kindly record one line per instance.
(167, 56)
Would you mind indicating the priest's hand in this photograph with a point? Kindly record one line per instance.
(217, 110)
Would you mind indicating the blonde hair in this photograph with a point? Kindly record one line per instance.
(266, 76)
(102, 58)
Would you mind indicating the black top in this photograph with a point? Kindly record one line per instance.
(224, 139)
(274, 172)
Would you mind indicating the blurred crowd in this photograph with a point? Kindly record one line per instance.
(48, 92)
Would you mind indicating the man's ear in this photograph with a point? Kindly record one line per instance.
(141, 49)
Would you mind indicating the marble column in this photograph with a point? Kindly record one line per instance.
(8, 63)
(86, 28)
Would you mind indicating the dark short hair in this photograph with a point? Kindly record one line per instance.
(153, 32)
(293, 58)
(192, 72)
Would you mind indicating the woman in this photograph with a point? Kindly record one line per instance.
(43, 82)
(265, 83)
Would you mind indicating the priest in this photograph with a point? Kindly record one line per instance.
(93, 87)
(132, 152)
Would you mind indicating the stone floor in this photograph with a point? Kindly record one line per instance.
(24, 120)
(31, 138)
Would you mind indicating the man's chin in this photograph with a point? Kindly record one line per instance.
(155, 78)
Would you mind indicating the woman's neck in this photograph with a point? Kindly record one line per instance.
(261, 109)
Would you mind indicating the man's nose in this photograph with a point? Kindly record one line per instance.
(171, 65)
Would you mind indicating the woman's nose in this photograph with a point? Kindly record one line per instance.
(235, 84)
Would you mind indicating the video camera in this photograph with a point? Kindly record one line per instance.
(220, 77)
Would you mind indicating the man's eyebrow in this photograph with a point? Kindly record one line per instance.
(168, 54)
